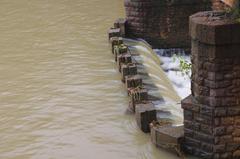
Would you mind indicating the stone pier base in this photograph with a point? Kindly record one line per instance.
(212, 112)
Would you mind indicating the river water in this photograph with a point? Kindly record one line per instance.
(60, 94)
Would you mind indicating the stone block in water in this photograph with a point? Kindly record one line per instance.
(123, 59)
(128, 69)
(154, 127)
(133, 81)
(121, 23)
(167, 136)
(163, 135)
(145, 114)
(120, 49)
(114, 32)
(115, 41)
(137, 96)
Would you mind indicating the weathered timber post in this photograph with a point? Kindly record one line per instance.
(212, 111)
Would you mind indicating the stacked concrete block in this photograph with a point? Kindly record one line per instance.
(163, 23)
(212, 111)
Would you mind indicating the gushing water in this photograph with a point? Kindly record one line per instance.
(156, 81)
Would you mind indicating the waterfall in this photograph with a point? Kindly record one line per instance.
(156, 81)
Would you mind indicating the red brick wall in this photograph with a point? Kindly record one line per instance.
(163, 23)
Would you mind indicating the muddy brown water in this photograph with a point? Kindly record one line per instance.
(60, 94)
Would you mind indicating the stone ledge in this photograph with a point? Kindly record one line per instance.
(167, 136)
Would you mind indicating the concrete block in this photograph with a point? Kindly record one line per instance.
(145, 114)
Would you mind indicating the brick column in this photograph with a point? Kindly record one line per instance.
(163, 23)
(212, 111)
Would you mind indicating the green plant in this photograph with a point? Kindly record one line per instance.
(185, 66)
(236, 14)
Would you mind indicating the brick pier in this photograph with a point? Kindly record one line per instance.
(212, 111)
(163, 23)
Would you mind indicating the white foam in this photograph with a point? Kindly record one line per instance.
(171, 66)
